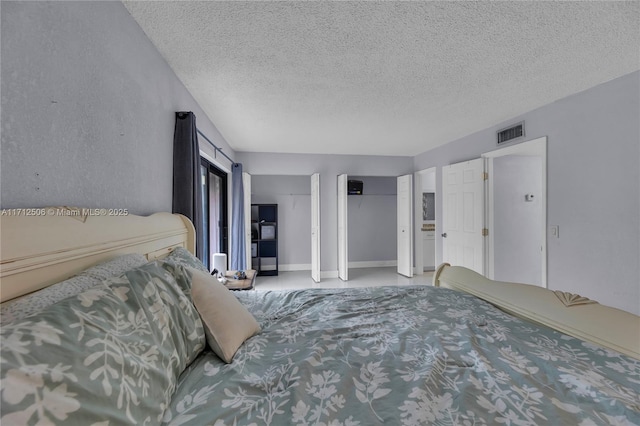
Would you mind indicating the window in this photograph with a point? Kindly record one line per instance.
(214, 211)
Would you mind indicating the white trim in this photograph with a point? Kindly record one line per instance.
(489, 243)
(246, 182)
(405, 225)
(329, 274)
(315, 228)
(373, 264)
(215, 162)
(418, 249)
(531, 147)
(343, 228)
(295, 267)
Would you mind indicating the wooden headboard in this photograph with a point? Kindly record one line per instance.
(39, 247)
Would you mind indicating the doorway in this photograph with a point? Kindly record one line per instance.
(463, 224)
(425, 220)
(214, 211)
(373, 229)
(516, 213)
(298, 201)
(371, 222)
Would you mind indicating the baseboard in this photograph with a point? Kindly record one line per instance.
(334, 274)
(328, 274)
(306, 267)
(373, 264)
(295, 267)
(425, 269)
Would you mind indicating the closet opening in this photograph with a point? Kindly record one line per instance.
(368, 223)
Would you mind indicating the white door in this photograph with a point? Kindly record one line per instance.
(343, 260)
(405, 226)
(315, 227)
(246, 183)
(463, 214)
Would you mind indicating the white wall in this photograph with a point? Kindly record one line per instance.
(593, 187)
(428, 182)
(88, 109)
(329, 167)
(517, 238)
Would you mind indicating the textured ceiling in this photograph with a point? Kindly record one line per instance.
(383, 78)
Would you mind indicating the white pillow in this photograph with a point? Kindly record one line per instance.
(227, 323)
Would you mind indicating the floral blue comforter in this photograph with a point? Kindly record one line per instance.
(403, 356)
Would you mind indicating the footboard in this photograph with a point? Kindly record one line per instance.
(568, 313)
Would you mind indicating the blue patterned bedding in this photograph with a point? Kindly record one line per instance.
(405, 356)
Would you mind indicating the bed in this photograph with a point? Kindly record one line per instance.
(135, 345)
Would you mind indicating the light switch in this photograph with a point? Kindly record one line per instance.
(555, 231)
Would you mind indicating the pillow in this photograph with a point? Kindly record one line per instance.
(227, 323)
(14, 310)
(182, 256)
(112, 352)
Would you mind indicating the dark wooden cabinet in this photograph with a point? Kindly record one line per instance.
(264, 238)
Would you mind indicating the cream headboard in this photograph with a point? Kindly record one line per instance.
(39, 247)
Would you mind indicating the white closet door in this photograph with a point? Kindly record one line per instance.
(343, 260)
(463, 214)
(405, 226)
(315, 227)
(246, 183)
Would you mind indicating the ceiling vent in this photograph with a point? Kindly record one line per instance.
(511, 133)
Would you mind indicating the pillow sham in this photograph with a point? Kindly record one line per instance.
(14, 310)
(227, 323)
(113, 352)
(182, 256)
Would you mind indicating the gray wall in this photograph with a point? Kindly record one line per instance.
(517, 222)
(88, 109)
(329, 167)
(593, 187)
(292, 194)
(372, 220)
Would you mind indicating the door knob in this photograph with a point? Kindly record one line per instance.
(444, 235)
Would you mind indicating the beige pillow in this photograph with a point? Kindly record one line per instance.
(227, 323)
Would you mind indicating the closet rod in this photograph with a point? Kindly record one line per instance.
(233, 163)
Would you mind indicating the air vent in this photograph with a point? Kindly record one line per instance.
(510, 133)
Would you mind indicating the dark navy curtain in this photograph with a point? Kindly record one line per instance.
(187, 186)
(237, 259)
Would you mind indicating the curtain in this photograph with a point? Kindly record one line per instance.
(187, 184)
(237, 258)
